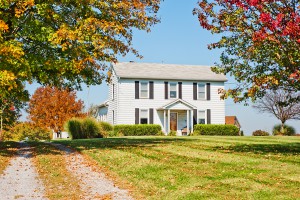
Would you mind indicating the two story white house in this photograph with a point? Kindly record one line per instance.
(174, 96)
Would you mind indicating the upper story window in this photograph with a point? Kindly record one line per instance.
(201, 117)
(144, 93)
(173, 90)
(201, 90)
(113, 92)
(144, 116)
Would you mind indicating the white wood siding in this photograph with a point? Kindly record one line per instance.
(113, 101)
(127, 103)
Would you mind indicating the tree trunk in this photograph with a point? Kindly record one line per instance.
(282, 128)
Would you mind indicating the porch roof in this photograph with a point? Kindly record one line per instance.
(178, 104)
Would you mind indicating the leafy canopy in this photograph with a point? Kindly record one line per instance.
(66, 43)
(260, 42)
(50, 107)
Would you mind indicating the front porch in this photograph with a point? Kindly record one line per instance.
(177, 116)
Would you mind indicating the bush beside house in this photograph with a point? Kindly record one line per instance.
(215, 129)
(85, 128)
(137, 130)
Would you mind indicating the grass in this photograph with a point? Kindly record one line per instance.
(51, 165)
(200, 167)
(7, 151)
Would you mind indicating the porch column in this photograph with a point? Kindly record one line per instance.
(168, 121)
(165, 119)
(192, 121)
(187, 122)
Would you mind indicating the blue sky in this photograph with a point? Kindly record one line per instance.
(179, 39)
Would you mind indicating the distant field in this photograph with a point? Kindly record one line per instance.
(200, 167)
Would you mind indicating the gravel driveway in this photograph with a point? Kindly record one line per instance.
(20, 178)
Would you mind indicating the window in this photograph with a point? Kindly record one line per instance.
(113, 117)
(201, 117)
(173, 90)
(144, 116)
(144, 90)
(113, 92)
(201, 91)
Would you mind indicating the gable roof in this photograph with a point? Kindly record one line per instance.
(177, 101)
(166, 72)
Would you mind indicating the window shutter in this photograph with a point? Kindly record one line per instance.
(207, 91)
(151, 89)
(151, 116)
(208, 112)
(180, 89)
(137, 116)
(137, 89)
(195, 117)
(166, 90)
(195, 91)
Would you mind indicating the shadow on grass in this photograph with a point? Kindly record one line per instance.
(42, 148)
(111, 143)
(87, 144)
(284, 148)
(8, 149)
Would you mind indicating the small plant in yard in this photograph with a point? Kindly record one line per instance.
(172, 133)
(260, 133)
(287, 130)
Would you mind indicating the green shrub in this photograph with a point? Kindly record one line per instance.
(172, 133)
(215, 129)
(90, 128)
(287, 130)
(84, 128)
(260, 133)
(74, 128)
(106, 129)
(26, 130)
(137, 130)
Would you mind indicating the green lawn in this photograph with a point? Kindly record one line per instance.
(200, 167)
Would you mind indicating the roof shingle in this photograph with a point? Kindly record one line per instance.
(166, 72)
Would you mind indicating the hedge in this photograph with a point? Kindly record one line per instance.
(137, 130)
(215, 129)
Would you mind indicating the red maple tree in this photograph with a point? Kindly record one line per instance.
(51, 107)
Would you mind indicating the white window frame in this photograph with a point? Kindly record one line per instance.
(170, 90)
(148, 115)
(205, 116)
(113, 92)
(148, 89)
(204, 91)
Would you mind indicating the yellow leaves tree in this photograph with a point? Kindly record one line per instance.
(67, 43)
(51, 107)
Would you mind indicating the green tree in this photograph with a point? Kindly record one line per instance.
(260, 42)
(66, 43)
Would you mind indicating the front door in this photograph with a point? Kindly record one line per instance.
(173, 121)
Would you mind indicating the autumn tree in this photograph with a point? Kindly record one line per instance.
(260, 42)
(10, 111)
(66, 43)
(51, 107)
(275, 103)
